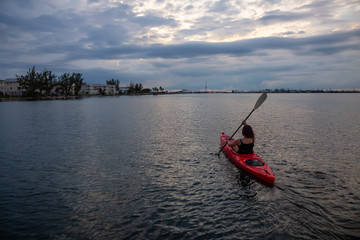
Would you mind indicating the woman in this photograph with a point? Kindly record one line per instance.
(244, 145)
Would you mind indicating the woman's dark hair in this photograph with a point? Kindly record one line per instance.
(248, 131)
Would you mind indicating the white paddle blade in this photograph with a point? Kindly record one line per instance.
(260, 101)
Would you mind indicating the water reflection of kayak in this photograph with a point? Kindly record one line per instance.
(251, 163)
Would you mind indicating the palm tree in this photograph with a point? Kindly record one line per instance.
(65, 83)
(29, 81)
(48, 81)
(77, 81)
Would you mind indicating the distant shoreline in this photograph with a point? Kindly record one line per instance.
(19, 98)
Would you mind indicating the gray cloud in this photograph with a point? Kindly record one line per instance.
(189, 7)
(317, 5)
(325, 44)
(43, 23)
(334, 49)
(93, 1)
(107, 35)
(220, 6)
(63, 38)
(279, 16)
(152, 20)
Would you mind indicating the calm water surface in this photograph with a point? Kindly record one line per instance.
(146, 167)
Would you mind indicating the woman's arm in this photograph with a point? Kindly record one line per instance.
(234, 143)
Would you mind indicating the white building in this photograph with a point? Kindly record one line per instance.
(11, 87)
(94, 89)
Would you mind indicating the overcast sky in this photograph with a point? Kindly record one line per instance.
(181, 44)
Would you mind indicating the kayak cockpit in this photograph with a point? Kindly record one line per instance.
(254, 162)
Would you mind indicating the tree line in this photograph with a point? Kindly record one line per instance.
(41, 83)
(132, 88)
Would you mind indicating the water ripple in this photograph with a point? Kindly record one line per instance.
(147, 168)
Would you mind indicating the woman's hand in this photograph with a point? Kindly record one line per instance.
(244, 122)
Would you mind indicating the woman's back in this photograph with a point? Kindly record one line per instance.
(246, 146)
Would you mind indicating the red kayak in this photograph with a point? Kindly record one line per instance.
(251, 163)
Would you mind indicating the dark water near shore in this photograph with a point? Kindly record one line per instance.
(146, 167)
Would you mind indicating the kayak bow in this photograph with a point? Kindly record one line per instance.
(251, 163)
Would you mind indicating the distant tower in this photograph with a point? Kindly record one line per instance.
(205, 86)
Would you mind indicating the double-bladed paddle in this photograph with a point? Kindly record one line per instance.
(258, 103)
